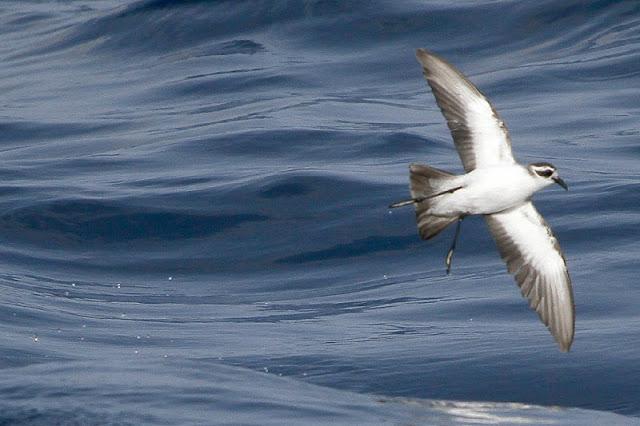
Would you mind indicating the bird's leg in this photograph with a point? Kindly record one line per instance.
(449, 257)
(421, 199)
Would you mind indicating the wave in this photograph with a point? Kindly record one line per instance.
(86, 223)
(228, 388)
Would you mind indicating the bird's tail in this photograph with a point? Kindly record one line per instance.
(428, 183)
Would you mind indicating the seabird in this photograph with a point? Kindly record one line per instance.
(496, 186)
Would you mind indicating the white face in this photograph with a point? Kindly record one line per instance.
(547, 173)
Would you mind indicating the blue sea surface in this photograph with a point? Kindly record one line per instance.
(194, 222)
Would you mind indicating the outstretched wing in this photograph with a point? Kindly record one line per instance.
(533, 256)
(480, 136)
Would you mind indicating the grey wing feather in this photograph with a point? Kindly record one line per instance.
(479, 134)
(533, 256)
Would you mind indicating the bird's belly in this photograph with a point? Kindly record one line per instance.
(492, 203)
(480, 199)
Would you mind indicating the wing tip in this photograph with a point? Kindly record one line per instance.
(564, 337)
(565, 346)
(423, 55)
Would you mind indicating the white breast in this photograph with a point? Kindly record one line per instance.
(488, 190)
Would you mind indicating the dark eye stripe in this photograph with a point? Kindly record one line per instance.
(545, 172)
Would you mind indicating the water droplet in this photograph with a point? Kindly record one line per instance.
(73, 284)
(66, 293)
(136, 352)
(35, 338)
(170, 278)
(138, 337)
(266, 370)
(385, 276)
(118, 285)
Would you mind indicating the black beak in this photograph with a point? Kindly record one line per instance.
(560, 182)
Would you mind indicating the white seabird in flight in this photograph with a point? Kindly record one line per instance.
(496, 186)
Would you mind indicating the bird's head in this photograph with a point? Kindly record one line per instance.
(547, 174)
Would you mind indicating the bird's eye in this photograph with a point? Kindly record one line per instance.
(545, 172)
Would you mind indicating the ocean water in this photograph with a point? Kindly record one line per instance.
(194, 225)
